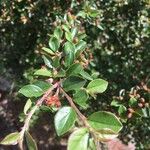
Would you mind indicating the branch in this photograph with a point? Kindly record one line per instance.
(83, 118)
(70, 100)
(30, 114)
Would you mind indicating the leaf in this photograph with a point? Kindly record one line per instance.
(122, 110)
(69, 53)
(66, 28)
(97, 86)
(27, 106)
(94, 13)
(85, 75)
(47, 61)
(69, 36)
(54, 44)
(133, 102)
(80, 47)
(74, 69)
(31, 144)
(58, 33)
(103, 120)
(105, 135)
(34, 90)
(78, 140)
(48, 50)
(73, 83)
(74, 32)
(115, 103)
(69, 47)
(81, 97)
(11, 139)
(64, 120)
(43, 72)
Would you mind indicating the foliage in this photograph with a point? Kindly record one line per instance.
(117, 33)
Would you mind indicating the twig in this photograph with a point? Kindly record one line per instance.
(30, 114)
(83, 118)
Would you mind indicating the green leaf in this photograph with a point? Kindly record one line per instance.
(69, 53)
(103, 120)
(56, 61)
(43, 85)
(66, 28)
(115, 103)
(34, 90)
(11, 139)
(27, 106)
(122, 110)
(31, 144)
(43, 72)
(80, 47)
(97, 86)
(81, 97)
(64, 120)
(74, 69)
(105, 135)
(61, 73)
(74, 32)
(58, 33)
(85, 75)
(48, 50)
(47, 61)
(69, 47)
(78, 140)
(94, 13)
(69, 36)
(81, 36)
(54, 44)
(73, 83)
(133, 102)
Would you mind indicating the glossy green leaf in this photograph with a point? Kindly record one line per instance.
(80, 47)
(43, 85)
(43, 72)
(27, 106)
(74, 69)
(97, 86)
(64, 120)
(47, 61)
(58, 33)
(48, 50)
(11, 139)
(54, 44)
(74, 32)
(105, 135)
(133, 102)
(122, 110)
(69, 47)
(78, 140)
(66, 28)
(56, 62)
(81, 97)
(69, 53)
(31, 144)
(85, 75)
(115, 103)
(73, 83)
(34, 90)
(69, 36)
(94, 13)
(103, 120)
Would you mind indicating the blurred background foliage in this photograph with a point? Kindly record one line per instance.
(118, 33)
